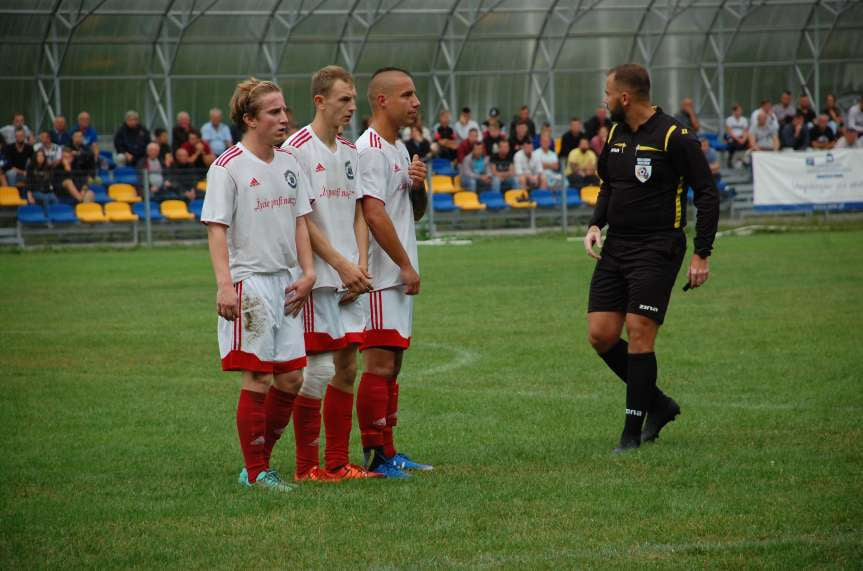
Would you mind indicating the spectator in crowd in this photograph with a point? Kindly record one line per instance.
(131, 140)
(523, 117)
(18, 122)
(544, 130)
(53, 151)
(216, 134)
(90, 134)
(581, 165)
(736, 132)
(519, 136)
(711, 156)
(39, 189)
(466, 146)
(165, 154)
(528, 167)
(493, 137)
(833, 112)
(570, 139)
(200, 153)
(418, 144)
(502, 168)
(598, 140)
(805, 106)
(855, 117)
(591, 128)
(3, 162)
(18, 154)
(686, 116)
(795, 135)
(407, 132)
(71, 188)
(180, 132)
(475, 171)
(84, 163)
(550, 162)
(821, 136)
(185, 175)
(849, 140)
(445, 137)
(463, 126)
(161, 187)
(60, 132)
(766, 107)
(763, 136)
(785, 111)
(493, 115)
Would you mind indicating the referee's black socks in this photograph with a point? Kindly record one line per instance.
(640, 392)
(617, 359)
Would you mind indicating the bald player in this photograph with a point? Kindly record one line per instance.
(393, 190)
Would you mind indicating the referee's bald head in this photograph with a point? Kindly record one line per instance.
(633, 78)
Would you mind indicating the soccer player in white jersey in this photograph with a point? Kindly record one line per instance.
(393, 189)
(255, 208)
(334, 317)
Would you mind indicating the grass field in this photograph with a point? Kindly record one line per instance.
(119, 447)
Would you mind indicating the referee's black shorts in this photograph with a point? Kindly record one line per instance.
(636, 275)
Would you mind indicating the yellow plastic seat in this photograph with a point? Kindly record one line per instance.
(517, 198)
(90, 212)
(202, 186)
(443, 183)
(9, 196)
(176, 210)
(120, 212)
(467, 201)
(456, 183)
(589, 195)
(121, 192)
(557, 142)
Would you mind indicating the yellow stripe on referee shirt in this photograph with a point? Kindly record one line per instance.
(668, 135)
(678, 204)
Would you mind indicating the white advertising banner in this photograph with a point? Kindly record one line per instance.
(811, 180)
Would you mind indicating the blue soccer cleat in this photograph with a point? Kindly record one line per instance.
(389, 470)
(244, 478)
(403, 462)
(268, 479)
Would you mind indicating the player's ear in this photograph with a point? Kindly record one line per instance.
(318, 100)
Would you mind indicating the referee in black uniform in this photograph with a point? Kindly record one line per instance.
(646, 165)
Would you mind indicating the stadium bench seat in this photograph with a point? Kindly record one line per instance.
(589, 195)
(557, 143)
(123, 192)
(201, 186)
(467, 201)
(108, 158)
(442, 167)
(9, 196)
(119, 212)
(62, 214)
(442, 183)
(518, 198)
(126, 175)
(105, 176)
(90, 212)
(195, 207)
(573, 197)
(443, 203)
(32, 214)
(176, 210)
(140, 209)
(544, 198)
(493, 200)
(100, 195)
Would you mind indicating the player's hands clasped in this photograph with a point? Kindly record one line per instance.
(297, 294)
(699, 271)
(411, 280)
(227, 303)
(355, 278)
(417, 171)
(593, 237)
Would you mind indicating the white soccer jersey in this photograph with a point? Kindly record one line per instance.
(259, 203)
(333, 194)
(383, 174)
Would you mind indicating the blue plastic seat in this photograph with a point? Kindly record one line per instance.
(139, 209)
(108, 158)
(573, 197)
(544, 198)
(127, 175)
(98, 188)
(196, 206)
(442, 166)
(106, 176)
(31, 214)
(62, 214)
(443, 203)
(493, 200)
(101, 197)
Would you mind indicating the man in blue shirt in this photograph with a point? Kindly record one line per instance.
(216, 134)
(90, 134)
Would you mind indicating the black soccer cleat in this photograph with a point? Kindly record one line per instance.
(627, 443)
(664, 412)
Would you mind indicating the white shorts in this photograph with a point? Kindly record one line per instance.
(262, 339)
(329, 326)
(390, 319)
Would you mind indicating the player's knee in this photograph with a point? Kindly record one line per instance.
(317, 375)
(346, 373)
(641, 332)
(602, 340)
(289, 382)
(383, 369)
(262, 378)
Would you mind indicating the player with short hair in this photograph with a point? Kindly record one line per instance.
(255, 210)
(393, 190)
(333, 316)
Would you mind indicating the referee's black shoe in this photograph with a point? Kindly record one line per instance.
(627, 443)
(665, 411)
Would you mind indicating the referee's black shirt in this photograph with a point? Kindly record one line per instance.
(645, 175)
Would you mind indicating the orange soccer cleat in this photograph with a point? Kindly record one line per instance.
(353, 472)
(316, 474)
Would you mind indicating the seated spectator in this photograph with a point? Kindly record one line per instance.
(805, 106)
(407, 132)
(60, 133)
(502, 168)
(53, 152)
(795, 135)
(821, 136)
(736, 132)
(70, 187)
(463, 126)
(550, 162)
(849, 140)
(90, 134)
(833, 112)
(519, 136)
(686, 116)
(785, 111)
(185, 175)
(591, 128)
(544, 130)
(528, 167)
(493, 137)
(200, 153)
(493, 115)
(161, 187)
(475, 171)
(766, 107)
(711, 156)
(445, 137)
(39, 189)
(522, 117)
(569, 140)
(18, 154)
(418, 144)
(84, 163)
(180, 132)
(855, 117)
(763, 136)
(131, 140)
(18, 122)
(165, 154)
(598, 141)
(215, 133)
(466, 146)
(581, 165)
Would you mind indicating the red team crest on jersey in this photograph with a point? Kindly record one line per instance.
(396, 168)
(254, 182)
(320, 168)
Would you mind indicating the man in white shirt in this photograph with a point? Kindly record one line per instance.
(763, 136)
(215, 133)
(849, 140)
(550, 162)
(766, 107)
(855, 118)
(528, 167)
(464, 124)
(736, 132)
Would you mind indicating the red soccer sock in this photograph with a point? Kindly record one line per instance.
(278, 405)
(338, 417)
(307, 432)
(372, 399)
(251, 425)
(392, 418)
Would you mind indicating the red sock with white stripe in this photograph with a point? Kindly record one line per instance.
(372, 400)
(338, 418)
(251, 425)
(307, 432)
(278, 406)
(392, 418)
